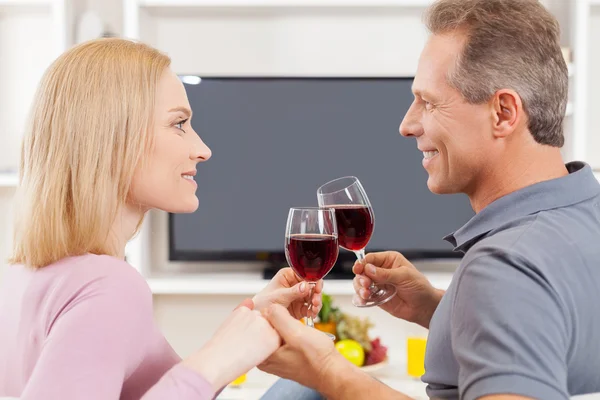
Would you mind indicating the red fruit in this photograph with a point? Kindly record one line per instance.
(377, 354)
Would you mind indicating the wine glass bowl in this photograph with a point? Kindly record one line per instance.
(311, 246)
(355, 222)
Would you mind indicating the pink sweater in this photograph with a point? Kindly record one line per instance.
(83, 328)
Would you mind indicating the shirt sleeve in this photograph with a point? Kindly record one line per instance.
(98, 338)
(181, 383)
(509, 331)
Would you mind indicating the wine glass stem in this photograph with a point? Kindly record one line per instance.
(360, 254)
(309, 319)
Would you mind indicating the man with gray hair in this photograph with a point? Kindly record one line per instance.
(519, 319)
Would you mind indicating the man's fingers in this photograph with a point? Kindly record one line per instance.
(283, 322)
(356, 284)
(377, 274)
(361, 286)
(358, 267)
(381, 275)
(385, 259)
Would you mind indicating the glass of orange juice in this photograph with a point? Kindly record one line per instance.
(415, 354)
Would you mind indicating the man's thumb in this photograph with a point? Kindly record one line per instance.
(282, 321)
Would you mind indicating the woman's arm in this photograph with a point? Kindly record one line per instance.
(98, 338)
(104, 331)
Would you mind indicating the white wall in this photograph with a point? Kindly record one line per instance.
(20, 71)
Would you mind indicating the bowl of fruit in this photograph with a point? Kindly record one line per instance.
(352, 337)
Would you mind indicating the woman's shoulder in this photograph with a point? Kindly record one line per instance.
(100, 265)
(98, 275)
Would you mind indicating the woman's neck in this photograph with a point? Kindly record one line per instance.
(123, 229)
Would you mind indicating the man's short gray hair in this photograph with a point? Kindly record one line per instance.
(511, 44)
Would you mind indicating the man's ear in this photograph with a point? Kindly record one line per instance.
(507, 111)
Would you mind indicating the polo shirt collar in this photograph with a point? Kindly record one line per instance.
(578, 186)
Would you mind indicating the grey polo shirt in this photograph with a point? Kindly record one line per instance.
(522, 314)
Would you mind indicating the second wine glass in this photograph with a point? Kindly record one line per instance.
(355, 221)
(311, 246)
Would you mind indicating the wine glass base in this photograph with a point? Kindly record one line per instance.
(329, 335)
(385, 293)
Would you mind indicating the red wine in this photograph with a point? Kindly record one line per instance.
(311, 256)
(355, 225)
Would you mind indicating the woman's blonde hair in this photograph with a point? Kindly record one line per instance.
(89, 130)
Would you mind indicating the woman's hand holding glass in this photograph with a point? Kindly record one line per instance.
(292, 292)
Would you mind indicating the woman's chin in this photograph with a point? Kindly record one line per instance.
(183, 207)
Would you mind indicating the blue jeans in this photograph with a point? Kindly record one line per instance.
(290, 390)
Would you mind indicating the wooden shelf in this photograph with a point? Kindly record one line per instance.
(252, 283)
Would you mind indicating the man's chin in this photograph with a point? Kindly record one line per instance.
(437, 187)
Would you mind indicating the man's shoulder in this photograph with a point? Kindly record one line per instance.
(533, 253)
(506, 242)
(564, 235)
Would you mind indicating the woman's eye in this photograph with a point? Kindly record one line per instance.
(180, 125)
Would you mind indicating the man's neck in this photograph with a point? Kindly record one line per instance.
(525, 168)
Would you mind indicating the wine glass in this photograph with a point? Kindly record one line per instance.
(311, 246)
(355, 222)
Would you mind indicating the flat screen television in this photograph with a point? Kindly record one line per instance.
(275, 140)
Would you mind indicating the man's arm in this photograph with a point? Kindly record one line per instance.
(309, 358)
(510, 331)
(344, 381)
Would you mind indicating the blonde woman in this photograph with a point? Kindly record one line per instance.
(109, 139)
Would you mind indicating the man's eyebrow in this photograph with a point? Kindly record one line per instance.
(420, 92)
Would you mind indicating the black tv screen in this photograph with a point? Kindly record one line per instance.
(276, 140)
